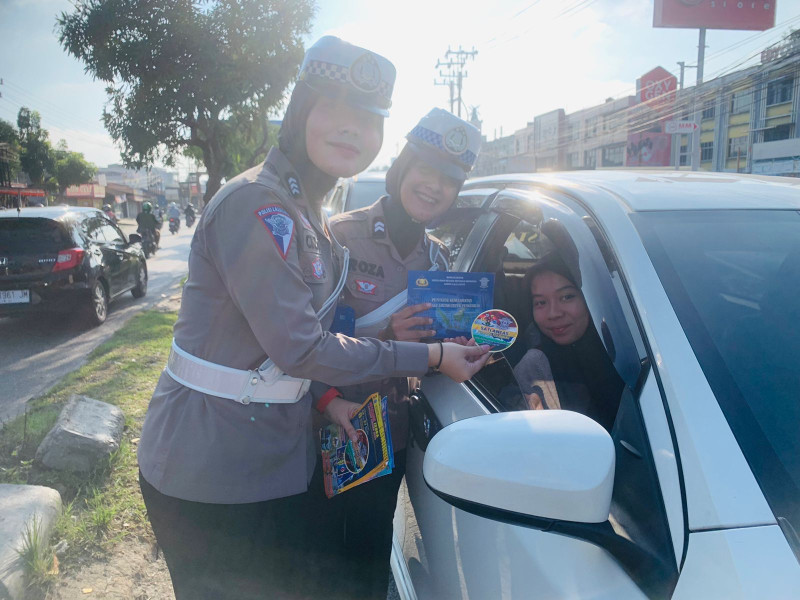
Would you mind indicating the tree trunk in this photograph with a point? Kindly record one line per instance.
(212, 158)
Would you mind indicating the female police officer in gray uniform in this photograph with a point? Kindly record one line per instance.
(226, 451)
(386, 240)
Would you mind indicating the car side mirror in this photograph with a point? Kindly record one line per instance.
(543, 464)
(134, 238)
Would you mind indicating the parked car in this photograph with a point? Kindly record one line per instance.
(356, 192)
(66, 259)
(692, 281)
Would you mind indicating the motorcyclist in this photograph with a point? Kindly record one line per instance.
(190, 215)
(146, 222)
(173, 212)
(109, 212)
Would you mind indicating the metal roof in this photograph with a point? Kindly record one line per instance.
(643, 190)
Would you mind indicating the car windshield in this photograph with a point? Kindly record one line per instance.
(733, 278)
(20, 235)
(364, 193)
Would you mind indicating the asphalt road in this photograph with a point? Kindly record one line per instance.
(35, 353)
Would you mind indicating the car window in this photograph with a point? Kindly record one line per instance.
(453, 227)
(93, 229)
(733, 278)
(21, 235)
(111, 233)
(364, 193)
(335, 202)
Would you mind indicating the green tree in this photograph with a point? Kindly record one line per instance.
(177, 71)
(9, 152)
(254, 137)
(36, 157)
(71, 168)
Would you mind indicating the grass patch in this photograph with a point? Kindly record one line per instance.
(39, 560)
(105, 506)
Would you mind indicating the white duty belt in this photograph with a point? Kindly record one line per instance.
(265, 385)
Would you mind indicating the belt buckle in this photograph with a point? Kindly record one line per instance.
(245, 397)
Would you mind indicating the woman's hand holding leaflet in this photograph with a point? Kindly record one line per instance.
(340, 412)
(401, 325)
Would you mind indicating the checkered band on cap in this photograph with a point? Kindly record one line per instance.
(437, 141)
(341, 74)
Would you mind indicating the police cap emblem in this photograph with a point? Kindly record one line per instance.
(365, 74)
(455, 140)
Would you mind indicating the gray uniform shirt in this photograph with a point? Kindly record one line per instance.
(260, 266)
(377, 274)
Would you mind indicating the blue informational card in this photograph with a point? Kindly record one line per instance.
(457, 299)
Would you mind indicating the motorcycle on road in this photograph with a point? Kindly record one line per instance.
(174, 225)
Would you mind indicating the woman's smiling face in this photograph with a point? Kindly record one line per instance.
(559, 309)
(342, 140)
(426, 193)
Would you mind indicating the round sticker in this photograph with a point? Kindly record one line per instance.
(495, 327)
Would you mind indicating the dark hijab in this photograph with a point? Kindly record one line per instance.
(586, 379)
(404, 232)
(292, 142)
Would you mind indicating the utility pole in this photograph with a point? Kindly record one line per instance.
(683, 67)
(701, 55)
(452, 73)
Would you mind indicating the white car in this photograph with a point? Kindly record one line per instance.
(352, 193)
(693, 284)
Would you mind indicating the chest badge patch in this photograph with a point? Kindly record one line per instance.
(366, 287)
(318, 269)
(279, 225)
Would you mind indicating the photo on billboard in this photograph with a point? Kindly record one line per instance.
(755, 15)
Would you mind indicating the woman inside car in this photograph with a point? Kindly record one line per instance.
(566, 365)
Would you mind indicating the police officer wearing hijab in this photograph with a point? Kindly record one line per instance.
(386, 240)
(226, 450)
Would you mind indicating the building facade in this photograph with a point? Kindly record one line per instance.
(747, 124)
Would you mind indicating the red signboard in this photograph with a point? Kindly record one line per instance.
(648, 149)
(658, 85)
(757, 15)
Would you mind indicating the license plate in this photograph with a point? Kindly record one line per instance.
(15, 296)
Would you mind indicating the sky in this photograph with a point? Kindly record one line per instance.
(533, 56)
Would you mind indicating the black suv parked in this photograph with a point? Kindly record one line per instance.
(66, 259)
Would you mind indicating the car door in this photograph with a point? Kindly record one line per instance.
(127, 257)
(448, 552)
(114, 267)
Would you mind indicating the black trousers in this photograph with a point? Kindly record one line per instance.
(356, 529)
(261, 550)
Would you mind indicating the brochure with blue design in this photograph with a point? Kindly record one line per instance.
(457, 298)
(345, 464)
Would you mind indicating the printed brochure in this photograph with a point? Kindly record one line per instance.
(457, 298)
(346, 465)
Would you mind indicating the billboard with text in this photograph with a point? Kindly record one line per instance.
(648, 149)
(756, 15)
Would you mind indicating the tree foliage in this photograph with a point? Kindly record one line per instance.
(253, 139)
(9, 152)
(36, 158)
(186, 73)
(71, 168)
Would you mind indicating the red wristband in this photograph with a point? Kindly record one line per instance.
(323, 402)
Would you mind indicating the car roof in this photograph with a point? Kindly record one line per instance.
(644, 190)
(371, 176)
(58, 213)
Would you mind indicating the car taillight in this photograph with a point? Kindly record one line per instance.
(68, 259)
